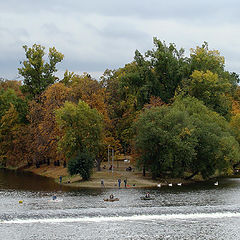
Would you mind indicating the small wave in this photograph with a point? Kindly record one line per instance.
(125, 218)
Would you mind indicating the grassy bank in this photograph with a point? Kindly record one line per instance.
(110, 178)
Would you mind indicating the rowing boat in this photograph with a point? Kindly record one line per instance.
(111, 200)
(146, 198)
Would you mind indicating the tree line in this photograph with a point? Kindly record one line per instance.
(177, 115)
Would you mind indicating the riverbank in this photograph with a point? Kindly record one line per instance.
(109, 178)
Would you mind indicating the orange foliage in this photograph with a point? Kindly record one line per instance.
(43, 129)
(155, 102)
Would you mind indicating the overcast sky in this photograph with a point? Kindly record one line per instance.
(95, 35)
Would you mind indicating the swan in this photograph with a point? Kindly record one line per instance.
(159, 185)
(179, 184)
(170, 184)
(216, 183)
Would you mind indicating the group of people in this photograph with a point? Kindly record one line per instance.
(119, 183)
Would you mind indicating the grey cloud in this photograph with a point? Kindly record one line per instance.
(95, 35)
(159, 9)
(113, 30)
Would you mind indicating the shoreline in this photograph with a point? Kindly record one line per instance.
(110, 180)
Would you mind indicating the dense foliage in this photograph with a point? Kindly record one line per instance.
(37, 73)
(185, 137)
(178, 115)
(81, 163)
(81, 126)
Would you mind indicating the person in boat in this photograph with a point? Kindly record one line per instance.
(111, 196)
(147, 195)
(54, 197)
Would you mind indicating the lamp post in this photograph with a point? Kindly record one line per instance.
(108, 158)
(112, 159)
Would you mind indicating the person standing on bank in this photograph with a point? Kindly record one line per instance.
(125, 183)
(119, 183)
(102, 183)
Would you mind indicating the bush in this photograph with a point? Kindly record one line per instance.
(81, 164)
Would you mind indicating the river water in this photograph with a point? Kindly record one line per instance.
(199, 211)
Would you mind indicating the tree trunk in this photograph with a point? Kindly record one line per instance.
(144, 171)
(191, 176)
(99, 164)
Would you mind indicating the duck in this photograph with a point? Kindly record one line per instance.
(216, 183)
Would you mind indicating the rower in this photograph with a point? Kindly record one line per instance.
(111, 196)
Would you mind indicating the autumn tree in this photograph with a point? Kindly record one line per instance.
(37, 73)
(14, 85)
(91, 91)
(13, 111)
(43, 128)
(8, 127)
(121, 108)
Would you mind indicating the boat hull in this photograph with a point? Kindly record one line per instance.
(111, 200)
(147, 198)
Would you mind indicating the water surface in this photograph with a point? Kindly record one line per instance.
(199, 211)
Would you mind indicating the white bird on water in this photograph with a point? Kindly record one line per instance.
(216, 183)
(179, 184)
(159, 185)
(170, 184)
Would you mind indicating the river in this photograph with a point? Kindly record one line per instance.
(198, 211)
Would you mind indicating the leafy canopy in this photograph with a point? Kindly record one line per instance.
(186, 136)
(36, 72)
(82, 127)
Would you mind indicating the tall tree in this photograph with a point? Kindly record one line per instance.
(82, 128)
(9, 124)
(43, 129)
(203, 59)
(186, 136)
(210, 88)
(36, 72)
(156, 73)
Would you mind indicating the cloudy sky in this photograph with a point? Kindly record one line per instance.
(95, 35)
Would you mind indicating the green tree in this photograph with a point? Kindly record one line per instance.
(82, 127)
(203, 59)
(217, 148)
(186, 136)
(81, 163)
(164, 140)
(36, 72)
(156, 73)
(210, 88)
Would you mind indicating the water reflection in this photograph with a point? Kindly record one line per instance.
(19, 180)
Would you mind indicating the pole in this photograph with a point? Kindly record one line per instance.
(112, 158)
(108, 158)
